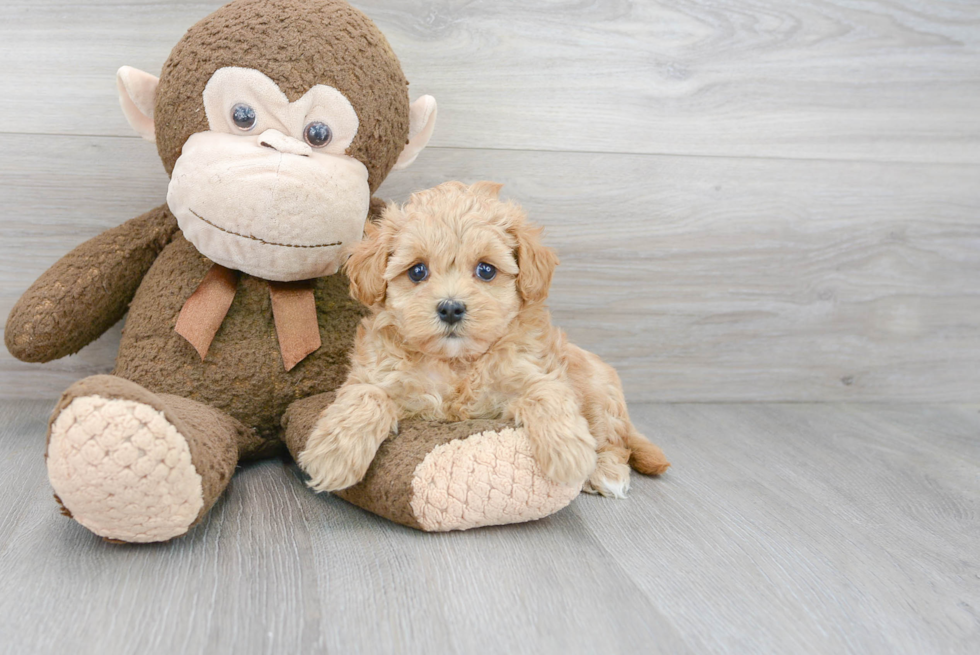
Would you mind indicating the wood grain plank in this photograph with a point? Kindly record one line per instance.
(237, 579)
(542, 587)
(745, 279)
(52, 198)
(698, 278)
(278, 569)
(809, 528)
(891, 80)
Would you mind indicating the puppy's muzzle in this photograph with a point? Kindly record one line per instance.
(451, 311)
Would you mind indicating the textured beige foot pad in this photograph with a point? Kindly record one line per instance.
(122, 470)
(489, 478)
(438, 476)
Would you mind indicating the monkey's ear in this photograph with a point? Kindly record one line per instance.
(421, 123)
(137, 93)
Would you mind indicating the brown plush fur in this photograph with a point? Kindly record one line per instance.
(243, 373)
(387, 487)
(230, 405)
(88, 291)
(503, 360)
(297, 43)
(148, 263)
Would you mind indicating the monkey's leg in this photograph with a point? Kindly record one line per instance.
(135, 466)
(444, 476)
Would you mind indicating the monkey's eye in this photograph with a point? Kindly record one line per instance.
(243, 116)
(485, 271)
(418, 272)
(317, 134)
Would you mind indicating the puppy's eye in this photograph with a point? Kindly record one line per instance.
(485, 271)
(243, 117)
(418, 272)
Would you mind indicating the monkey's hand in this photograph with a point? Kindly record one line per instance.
(346, 437)
(88, 290)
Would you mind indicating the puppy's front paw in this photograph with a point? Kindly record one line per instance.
(565, 449)
(334, 457)
(346, 437)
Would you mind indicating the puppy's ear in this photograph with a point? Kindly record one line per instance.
(535, 262)
(366, 266)
(487, 188)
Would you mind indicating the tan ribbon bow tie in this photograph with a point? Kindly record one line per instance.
(293, 308)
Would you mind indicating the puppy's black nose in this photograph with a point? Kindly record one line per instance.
(451, 311)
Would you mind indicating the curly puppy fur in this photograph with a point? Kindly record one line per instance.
(502, 359)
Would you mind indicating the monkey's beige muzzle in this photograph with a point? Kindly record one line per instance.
(272, 214)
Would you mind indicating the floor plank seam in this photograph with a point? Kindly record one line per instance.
(774, 158)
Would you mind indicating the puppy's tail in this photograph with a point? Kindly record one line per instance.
(644, 456)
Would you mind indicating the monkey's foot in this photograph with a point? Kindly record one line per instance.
(486, 478)
(444, 476)
(123, 470)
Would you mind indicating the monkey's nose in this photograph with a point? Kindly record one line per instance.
(451, 311)
(285, 144)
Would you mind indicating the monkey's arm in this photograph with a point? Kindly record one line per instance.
(88, 290)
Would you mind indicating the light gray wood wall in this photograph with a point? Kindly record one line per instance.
(752, 200)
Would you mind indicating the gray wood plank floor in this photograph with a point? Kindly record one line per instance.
(792, 528)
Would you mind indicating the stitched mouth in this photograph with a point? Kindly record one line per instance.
(268, 243)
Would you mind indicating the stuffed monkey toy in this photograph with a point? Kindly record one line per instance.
(276, 120)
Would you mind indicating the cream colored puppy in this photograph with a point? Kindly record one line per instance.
(456, 281)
